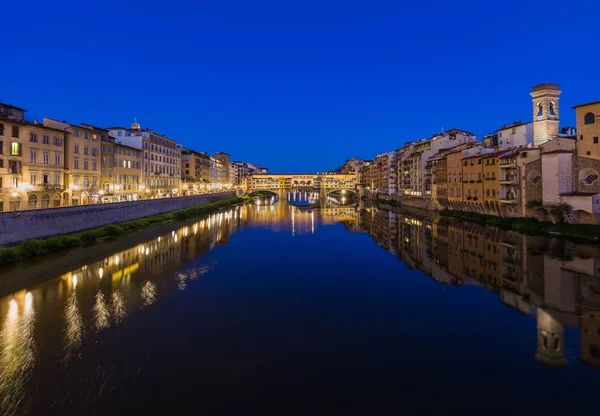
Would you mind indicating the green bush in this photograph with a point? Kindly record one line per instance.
(33, 248)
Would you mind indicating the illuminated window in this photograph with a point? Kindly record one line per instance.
(15, 149)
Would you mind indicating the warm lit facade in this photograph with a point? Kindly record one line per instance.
(161, 161)
(82, 161)
(31, 163)
(127, 173)
(300, 181)
(588, 130)
(195, 167)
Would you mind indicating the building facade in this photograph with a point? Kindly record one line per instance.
(161, 161)
(82, 149)
(32, 170)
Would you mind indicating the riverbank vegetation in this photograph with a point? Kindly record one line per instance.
(35, 248)
(531, 226)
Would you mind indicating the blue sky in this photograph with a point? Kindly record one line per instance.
(297, 86)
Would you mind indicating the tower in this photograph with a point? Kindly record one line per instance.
(135, 125)
(545, 112)
(550, 340)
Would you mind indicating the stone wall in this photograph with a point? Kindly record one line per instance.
(584, 167)
(42, 223)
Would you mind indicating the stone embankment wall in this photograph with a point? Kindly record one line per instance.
(41, 223)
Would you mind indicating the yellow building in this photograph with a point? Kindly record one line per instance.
(108, 177)
(195, 171)
(127, 173)
(31, 162)
(82, 161)
(454, 169)
(472, 179)
(588, 129)
(491, 182)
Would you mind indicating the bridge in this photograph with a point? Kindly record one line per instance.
(323, 183)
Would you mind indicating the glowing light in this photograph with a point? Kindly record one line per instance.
(172, 233)
(101, 272)
(147, 251)
(28, 300)
(13, 309)
(117, 260)
(101, 313)
(118, 306)
(74, 281)
(148, 293)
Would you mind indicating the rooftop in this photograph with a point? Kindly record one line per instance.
(545, 87)
(586, 104)
(11, 106)
(513, 124)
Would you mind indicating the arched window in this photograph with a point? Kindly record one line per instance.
(588, 176)
(540, 109)
(552, 109)
(534, 176)
(589, 118)
(45, 201)
(32, 202)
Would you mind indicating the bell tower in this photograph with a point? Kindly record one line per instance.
(550, 340)
(545, 112)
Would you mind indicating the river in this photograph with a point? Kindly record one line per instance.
(278, 308)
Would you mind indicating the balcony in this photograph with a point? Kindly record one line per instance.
(509, 199)
(508, 163)
(509, 181)
(49, 187)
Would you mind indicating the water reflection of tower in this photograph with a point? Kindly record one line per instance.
(550, 339)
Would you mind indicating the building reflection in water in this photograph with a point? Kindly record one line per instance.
(557, 282)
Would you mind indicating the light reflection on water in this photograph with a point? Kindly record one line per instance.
(17, 352)
(558, 285)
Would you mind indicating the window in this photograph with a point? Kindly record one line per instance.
(15, 131)
(76, 133)
(45, 179)
(94, 152)
(33, 137)
(33, 179)
(46, 158)
(120, 133)
(540, 110)
(1, 164)
(76, 150)
(76, 163)
(86, 135)
(57, 141)
(1, 147)
(33, 156)
(94, 166)
(588, 153)
(589, 118)
(57, 159)
(551, 110)
(86, 151)
(1, 129)
(581, 137)
(46, 139)
(596, 140)
(85, 165)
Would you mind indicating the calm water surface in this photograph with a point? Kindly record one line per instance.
(277, 309)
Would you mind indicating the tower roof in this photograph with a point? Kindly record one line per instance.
(542, 87)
